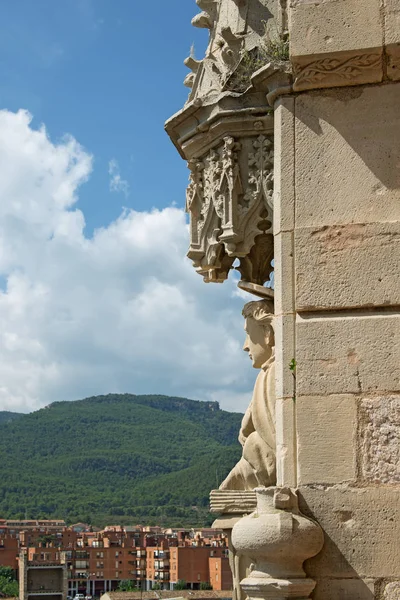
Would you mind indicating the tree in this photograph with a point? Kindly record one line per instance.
(181, 584)
(205, 585)
(127, 585)
(8, 583)
(7, 573)
(11, 589)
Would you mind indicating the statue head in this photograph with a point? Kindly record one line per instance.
(260, 339)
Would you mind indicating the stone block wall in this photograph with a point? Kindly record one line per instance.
(337, 274)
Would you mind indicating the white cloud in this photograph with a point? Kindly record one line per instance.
(117, 184)
(122, 311)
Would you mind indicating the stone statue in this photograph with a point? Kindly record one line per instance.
(257, 467)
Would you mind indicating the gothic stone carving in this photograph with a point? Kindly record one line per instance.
(229, 199)
(237, 28)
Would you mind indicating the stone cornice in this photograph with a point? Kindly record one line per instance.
(201, 124)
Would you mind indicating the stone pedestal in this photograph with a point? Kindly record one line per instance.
(278, 539)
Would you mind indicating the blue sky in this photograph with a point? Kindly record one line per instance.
(109, 73)
(96, 294)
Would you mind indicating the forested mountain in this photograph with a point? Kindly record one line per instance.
(118, 458)
(6, 416)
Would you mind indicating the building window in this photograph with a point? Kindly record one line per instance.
(216, 577)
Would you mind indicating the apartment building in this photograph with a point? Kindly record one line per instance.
(220, 572)
(97, 561)
(191, 562)
(9, 549)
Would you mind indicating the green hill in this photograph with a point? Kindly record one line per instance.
(118, 458)
(6, 416)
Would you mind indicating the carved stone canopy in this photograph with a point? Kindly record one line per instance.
(225, 132)
(229, 198)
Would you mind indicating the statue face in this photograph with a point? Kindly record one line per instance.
(259, 341)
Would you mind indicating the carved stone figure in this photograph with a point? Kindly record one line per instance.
(257, 467)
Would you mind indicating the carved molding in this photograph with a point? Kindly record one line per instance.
(339, 69)
(229, 199)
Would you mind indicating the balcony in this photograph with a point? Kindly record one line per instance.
(161, 576)
(161, 565)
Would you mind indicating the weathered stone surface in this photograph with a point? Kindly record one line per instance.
(346, 266)
(334, 26)
(391, 10)
(362, 531)
(284, 155)
(284, 273)
(392, 591)
(379, 452)
(326, 431)
(344, 589)
(354, 354)
(347, 156)
(286, 450)
(393, 61)
(284, 353)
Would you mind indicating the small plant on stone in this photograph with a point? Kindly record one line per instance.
(292, 367)
(271, 49)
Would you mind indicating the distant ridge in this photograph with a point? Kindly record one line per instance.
(118, 458)
(6, 416)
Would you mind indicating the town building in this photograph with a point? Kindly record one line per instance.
(98, 561)
(42, 577)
